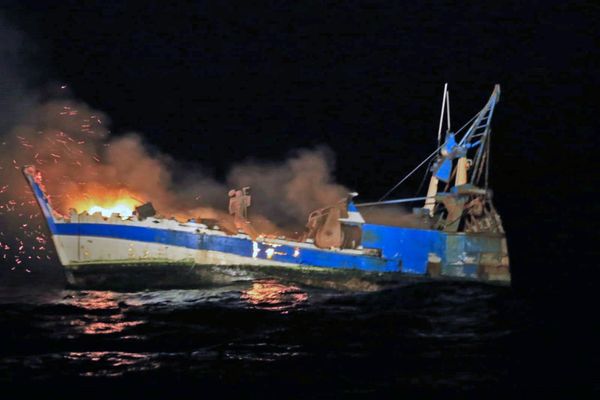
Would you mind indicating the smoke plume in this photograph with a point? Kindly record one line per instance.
(71, 144)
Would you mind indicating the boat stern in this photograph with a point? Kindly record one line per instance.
(479, 256)
(438, 254)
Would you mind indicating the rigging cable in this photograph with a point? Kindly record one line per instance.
(423, 162)
(410, 173)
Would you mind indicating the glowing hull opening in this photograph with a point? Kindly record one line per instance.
(121, 209)
(107, 203)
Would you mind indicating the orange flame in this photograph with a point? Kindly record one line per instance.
(107, 202)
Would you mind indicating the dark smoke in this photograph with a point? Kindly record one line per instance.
(71, 144)
(16, 97)
(287, 192)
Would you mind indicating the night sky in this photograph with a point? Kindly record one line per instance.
(223, 82)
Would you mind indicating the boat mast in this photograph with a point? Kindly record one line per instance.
(475, 140)
(433, 182)
(478, 137)
(461, 167)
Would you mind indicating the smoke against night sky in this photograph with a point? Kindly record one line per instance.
(72, 145)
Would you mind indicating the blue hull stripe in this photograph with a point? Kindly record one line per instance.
(231, 245)
(225, 244)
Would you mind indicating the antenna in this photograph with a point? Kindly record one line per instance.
(439, 137)
(448, 107)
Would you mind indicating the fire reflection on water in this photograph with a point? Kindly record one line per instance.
(112, 364)
(95, 300)
(274, 296)
(116, 326)
(106, 316)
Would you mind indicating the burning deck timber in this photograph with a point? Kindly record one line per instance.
(460, 234)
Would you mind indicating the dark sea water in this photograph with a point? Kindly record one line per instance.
(266, 338)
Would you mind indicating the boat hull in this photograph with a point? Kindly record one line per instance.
(93, 262)
(112, 252)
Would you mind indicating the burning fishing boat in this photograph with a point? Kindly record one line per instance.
(459, 234)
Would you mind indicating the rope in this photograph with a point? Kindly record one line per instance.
(424, 178)
(410, 173)
(424, 161)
